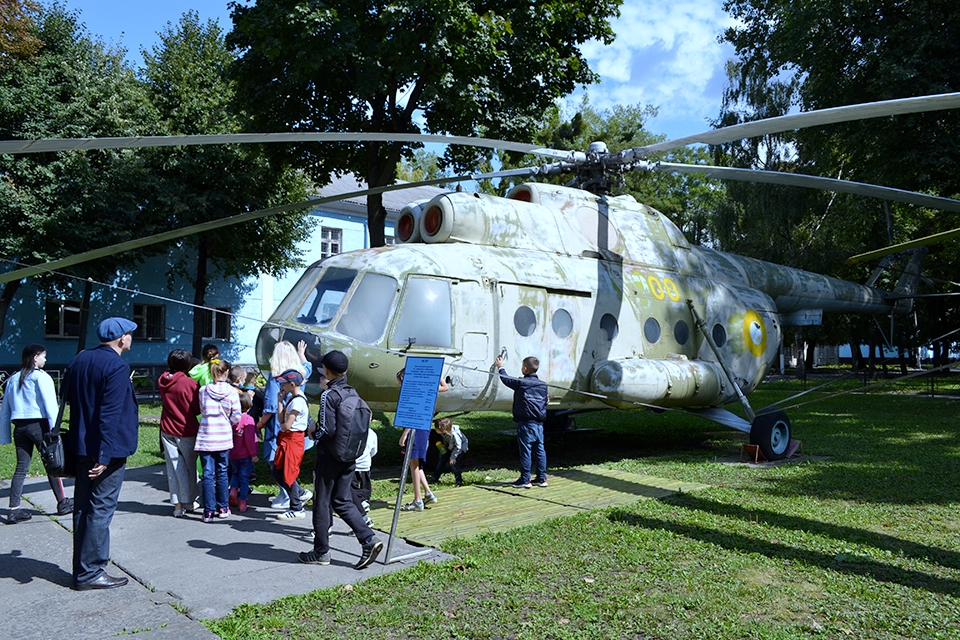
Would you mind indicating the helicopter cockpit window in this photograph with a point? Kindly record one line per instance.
(651, 330)
(366, 314)
(425, 314)
(719, 335)
(562, 323)
(525, 321)
(609, 327)
(326, 297)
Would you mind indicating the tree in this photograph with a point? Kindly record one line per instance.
(18, 39)
(54, 205)
(188, 74)
(457, 66)
(830, 53)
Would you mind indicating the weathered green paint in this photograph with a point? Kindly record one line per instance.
(599, 260)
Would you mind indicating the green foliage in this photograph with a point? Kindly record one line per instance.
(54, 205)
(456, 66)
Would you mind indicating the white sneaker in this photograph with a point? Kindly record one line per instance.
(292, 515)
(280, 502)
(305, 496)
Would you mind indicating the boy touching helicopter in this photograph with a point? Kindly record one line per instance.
(529, 411)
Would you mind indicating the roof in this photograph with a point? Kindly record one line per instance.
(393, 201)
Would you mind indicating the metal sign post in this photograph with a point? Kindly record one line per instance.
(418, 397)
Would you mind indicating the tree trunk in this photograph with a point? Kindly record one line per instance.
(801, 357)
(199, 296)
(811, 362)
(376, 220)
(9, 292)
(84, 314)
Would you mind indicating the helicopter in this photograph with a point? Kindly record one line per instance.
(618, 306)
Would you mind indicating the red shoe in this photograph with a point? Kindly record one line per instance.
(233, 497)
(243, 506)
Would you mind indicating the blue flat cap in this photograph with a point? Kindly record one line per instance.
(112, 328)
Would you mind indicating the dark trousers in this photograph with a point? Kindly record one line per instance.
(293, 490)
(360, 489)
(530, 443)
(27, 436)
(94, 502)
(333, 495)
(443, 465)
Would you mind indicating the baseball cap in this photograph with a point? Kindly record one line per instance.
(290, 375)
(335, 361)
(112, 328)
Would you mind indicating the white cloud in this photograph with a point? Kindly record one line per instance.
(666, 54)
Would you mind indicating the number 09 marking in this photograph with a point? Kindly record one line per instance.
(665, 289)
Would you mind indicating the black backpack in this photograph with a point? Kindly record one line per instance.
(353, 423)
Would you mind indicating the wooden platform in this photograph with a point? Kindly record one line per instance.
(488, 508)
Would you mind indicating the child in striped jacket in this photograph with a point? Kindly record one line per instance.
(220, 412)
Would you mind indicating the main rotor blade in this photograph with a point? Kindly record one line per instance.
(46, 145)
(174, 234)
(804, 120)
(904, 246)
(813, 182)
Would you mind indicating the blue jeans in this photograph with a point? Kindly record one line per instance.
(443, 465)
(530, 443)
(240, 476)
(215, 486)
(94, 502)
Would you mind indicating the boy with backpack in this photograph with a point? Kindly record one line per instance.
(341, 434)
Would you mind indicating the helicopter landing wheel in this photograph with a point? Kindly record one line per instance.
(771, 432)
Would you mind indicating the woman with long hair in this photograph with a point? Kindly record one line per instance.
(30, 404)
(284, 357)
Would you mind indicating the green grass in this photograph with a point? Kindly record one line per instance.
(864, 543)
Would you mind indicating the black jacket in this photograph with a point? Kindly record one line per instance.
(529, 397)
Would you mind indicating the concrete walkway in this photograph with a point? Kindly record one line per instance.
(180, 570)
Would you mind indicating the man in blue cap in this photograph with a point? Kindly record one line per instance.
(103, 433)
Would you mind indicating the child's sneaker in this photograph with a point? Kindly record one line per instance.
(208, 516)
(540, 482)
(522, 484)
(233, 497)
(416, 505)
(292, 515)
(367, 520)
(242, 505)
(432, 499)
(224, 512)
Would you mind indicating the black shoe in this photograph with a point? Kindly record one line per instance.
(370, 550)
(18, 515)
(103, 581)
(312, 557)
(65, 506)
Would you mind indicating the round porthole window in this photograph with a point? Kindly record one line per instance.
(608, 325)
(525, 321)
(562, 323)
(719, 335)
(681, 332)
(651, 330)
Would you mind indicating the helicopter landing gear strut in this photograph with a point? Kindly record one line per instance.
(771, 432)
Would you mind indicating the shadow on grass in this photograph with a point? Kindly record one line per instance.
(850, 565)
(841, 533)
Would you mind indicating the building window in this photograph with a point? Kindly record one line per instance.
(151, 321)
(389, 240)
(216, 323)
(62, 319)
(331, 241)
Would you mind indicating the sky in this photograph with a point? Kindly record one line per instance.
(666, 53)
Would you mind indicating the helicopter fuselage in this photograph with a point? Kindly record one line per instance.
(605, 291)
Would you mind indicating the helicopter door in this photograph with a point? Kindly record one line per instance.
(524, 322)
